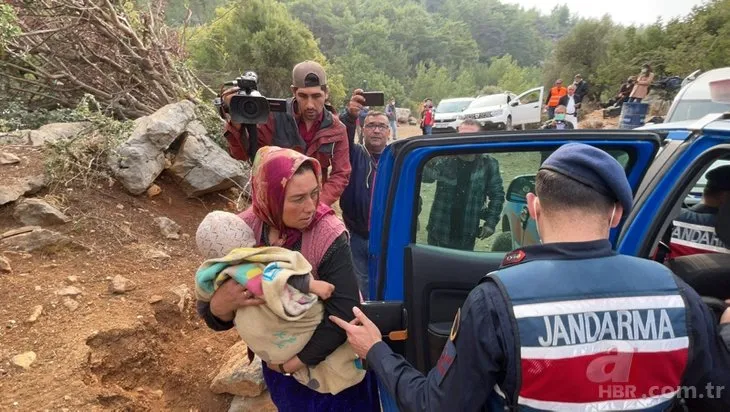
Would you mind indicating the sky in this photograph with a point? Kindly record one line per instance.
(624, 12)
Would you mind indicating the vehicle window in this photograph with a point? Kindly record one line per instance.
(462, 194)
(452, 106)
(486, 101)
(696, 109)
(529, 98)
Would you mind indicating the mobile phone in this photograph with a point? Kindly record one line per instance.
(374, 98)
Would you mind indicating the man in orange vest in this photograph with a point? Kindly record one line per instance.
(553, 97)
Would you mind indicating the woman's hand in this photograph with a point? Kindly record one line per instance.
(290, 366)
(229, 297)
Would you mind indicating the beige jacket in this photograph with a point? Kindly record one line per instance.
(641, 88)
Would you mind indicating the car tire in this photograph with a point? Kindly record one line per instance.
(502, 242)
(508, 125)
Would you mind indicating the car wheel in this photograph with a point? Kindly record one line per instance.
(502, 242)
(509, 126)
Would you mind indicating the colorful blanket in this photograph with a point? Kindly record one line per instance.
(279, 329)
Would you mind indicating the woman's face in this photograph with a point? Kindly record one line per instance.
(300, 200)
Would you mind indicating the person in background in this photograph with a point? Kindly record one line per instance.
(355, 200)
(694, 229)
(559, 121)
(553, 97)
(641, 88)
(427, 117)
(571, 102)
(392, 118)
(623, 93)
(469, 189)
(306, 127)
(581, 87)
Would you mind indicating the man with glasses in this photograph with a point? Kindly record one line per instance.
(355, 200)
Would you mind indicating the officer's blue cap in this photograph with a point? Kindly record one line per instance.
(594, 168)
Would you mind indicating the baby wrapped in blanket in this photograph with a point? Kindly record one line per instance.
(279, 329)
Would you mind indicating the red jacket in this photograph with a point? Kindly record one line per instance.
(329, 146)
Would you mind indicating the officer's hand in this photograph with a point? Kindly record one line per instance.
(357, 101)
(486, 232)
(362, 333)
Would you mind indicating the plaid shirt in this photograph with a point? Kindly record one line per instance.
(467, 198)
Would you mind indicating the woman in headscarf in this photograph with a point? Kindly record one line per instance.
(286, 212)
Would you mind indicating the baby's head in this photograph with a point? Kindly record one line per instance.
(220, 232)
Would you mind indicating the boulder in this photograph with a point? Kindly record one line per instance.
(261, 403)
(402, 115)
(33, 238)
(201, 166)
(8, 158)
(139, 160)
(18, 137)
(53, 132)
(237, 376)
(26, 186)
(36, 212)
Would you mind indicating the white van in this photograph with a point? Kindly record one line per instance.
(446, 113)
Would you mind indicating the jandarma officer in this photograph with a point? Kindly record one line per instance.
(569, 324)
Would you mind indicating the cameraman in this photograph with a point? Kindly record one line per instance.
(306, 126)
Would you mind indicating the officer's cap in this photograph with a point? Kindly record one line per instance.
(594, 168)
(719, 178)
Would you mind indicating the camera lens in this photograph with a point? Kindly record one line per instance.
(250, 108)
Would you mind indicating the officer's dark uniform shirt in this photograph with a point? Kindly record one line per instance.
(482, 353)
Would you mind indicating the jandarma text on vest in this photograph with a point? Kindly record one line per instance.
(575, 328)
(699, 235)
(621, 391)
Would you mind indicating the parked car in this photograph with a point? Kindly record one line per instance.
(694, 100)
(446, 113)
(504, 111)
(417, 287)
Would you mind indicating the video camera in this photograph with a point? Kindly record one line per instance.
(247, 106)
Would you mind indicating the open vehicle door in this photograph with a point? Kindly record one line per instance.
(527, 108)
(417, 286)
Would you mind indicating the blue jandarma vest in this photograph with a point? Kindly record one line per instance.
(605, 333)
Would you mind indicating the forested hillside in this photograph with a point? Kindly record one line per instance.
(411, 50)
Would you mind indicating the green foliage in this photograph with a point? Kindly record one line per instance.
(8, 25)
(15, 116)
(257, 35)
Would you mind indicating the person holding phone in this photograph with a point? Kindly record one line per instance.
(305, 127)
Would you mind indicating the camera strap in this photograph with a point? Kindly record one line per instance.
(253, 141)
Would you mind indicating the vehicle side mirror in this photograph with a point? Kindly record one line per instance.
(515, 103)
(519, 187)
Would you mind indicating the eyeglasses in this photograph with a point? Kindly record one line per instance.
(376, 126)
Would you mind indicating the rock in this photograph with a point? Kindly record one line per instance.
(120, 206)
(8, 158)
(237, 376)
(156, 254)
(35, 314)
(36, 212)
(153, 191)
(168, 227)
(140, 160)
(19, 137)
(34, 238)
(24, 360)
(69, 291)
(402, 114)
(72, 279)
(261, 403)
(208, 350)
(183, 292)
(27, 186)
(158, 393)
(204, 167)
(53, 132)
(154, 299)
(5, 265)
(38, 288)
(120, 284)
(70, 304)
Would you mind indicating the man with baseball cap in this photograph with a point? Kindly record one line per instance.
(568, 324)
(694, 230)
(306, 126)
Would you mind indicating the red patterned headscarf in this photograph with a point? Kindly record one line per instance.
(272, 169)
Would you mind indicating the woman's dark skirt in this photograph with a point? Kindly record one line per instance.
(290, 395)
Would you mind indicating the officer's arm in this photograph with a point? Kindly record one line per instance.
(708, 368)
(465, 373)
